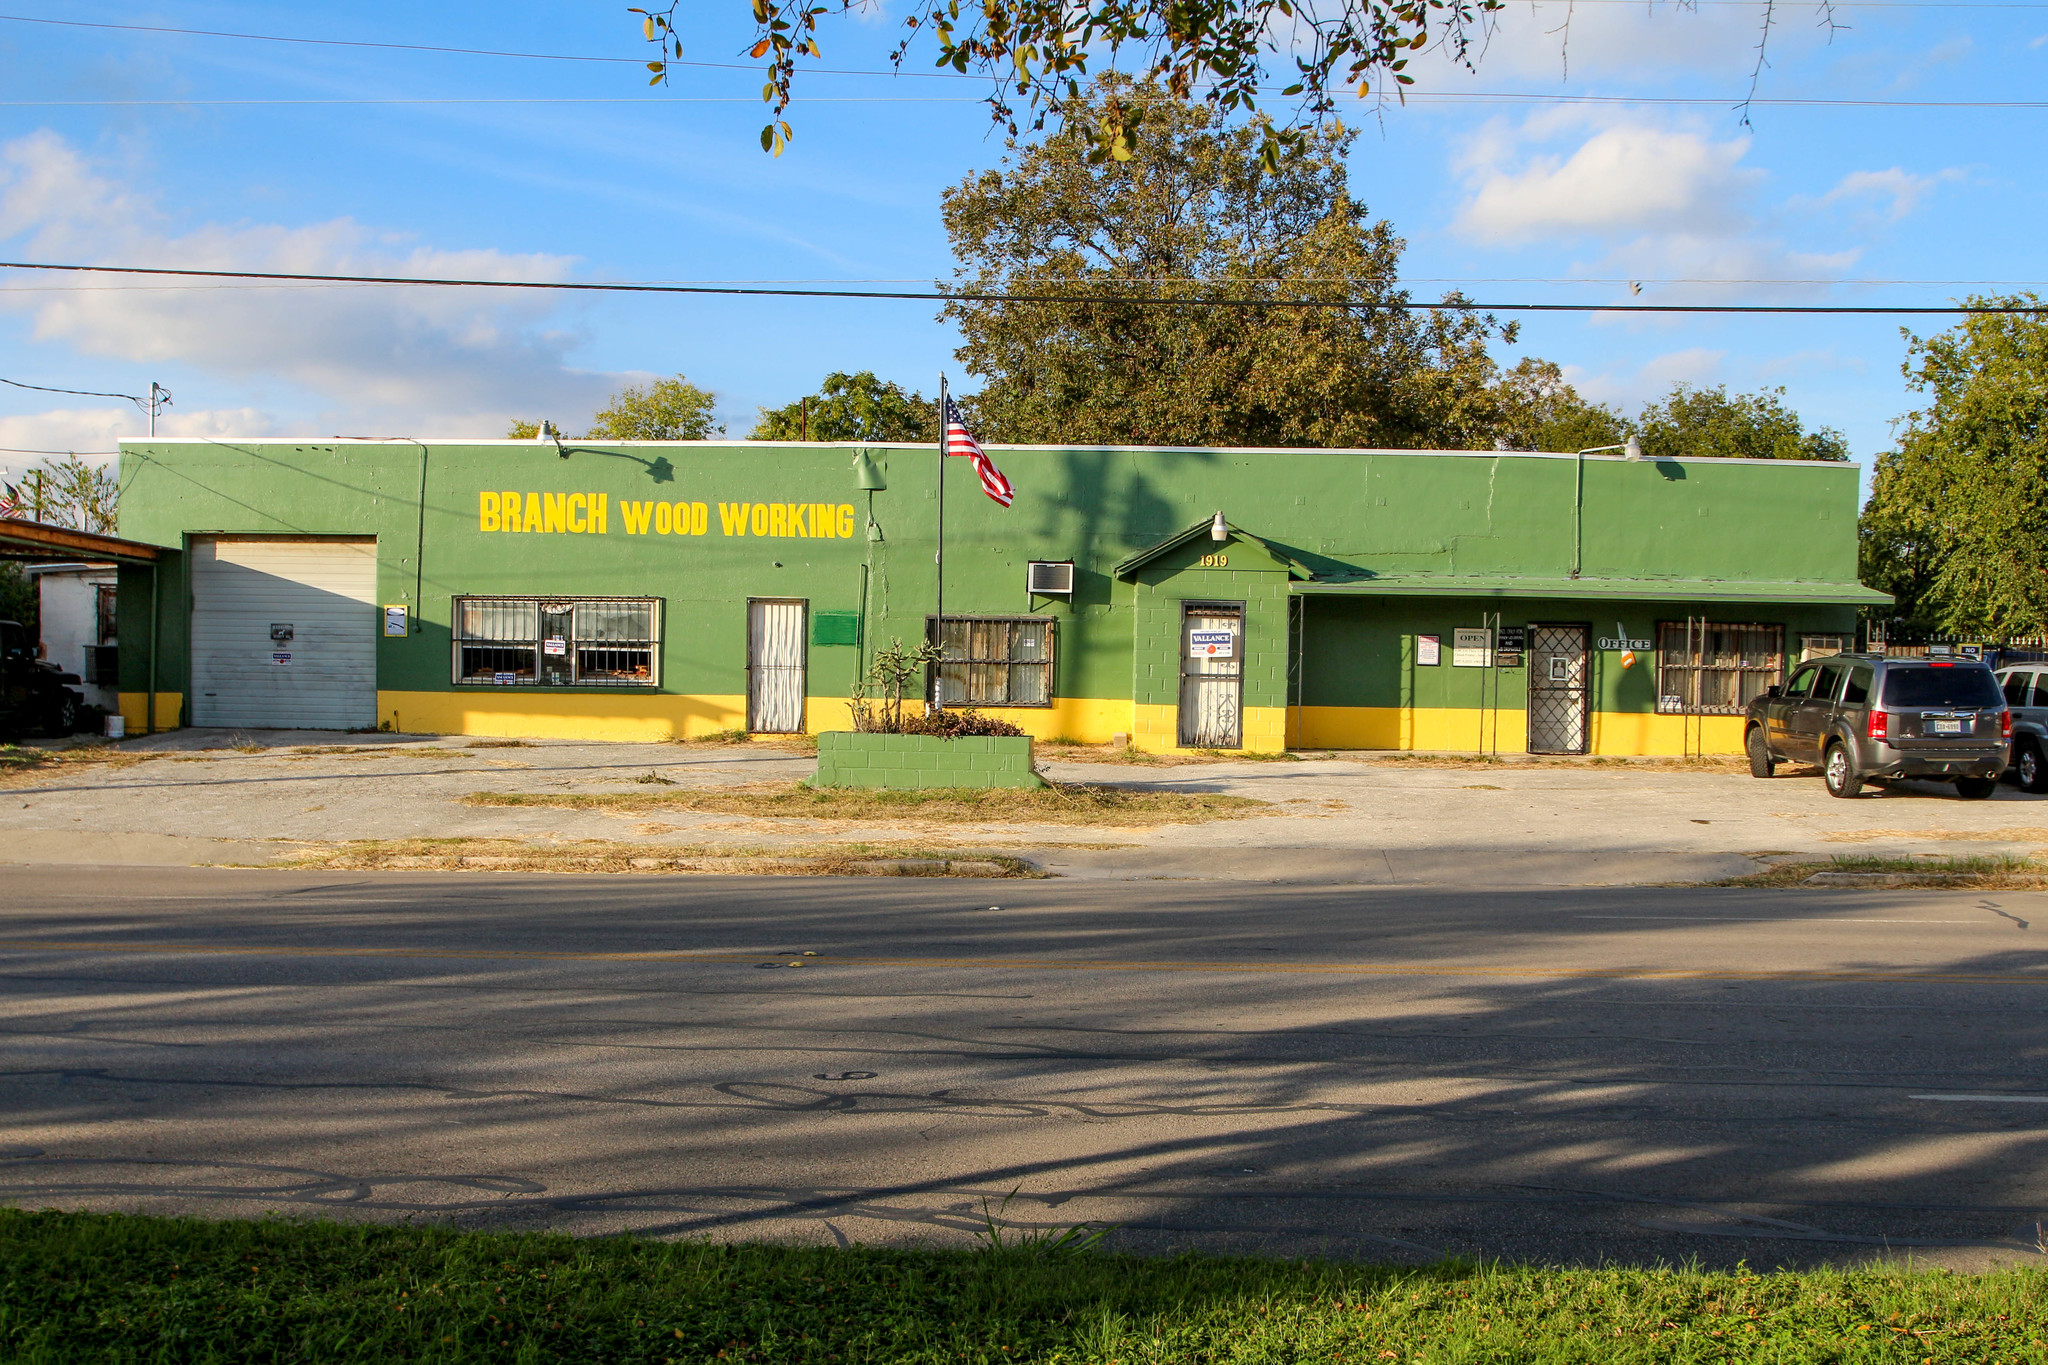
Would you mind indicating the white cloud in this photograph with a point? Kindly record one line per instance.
(29, 439)
(1555, 39)
(1902, 187)
(373, 357)
(1622, 179)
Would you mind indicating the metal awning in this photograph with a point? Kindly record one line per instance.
(1806, 592)
(33, 540)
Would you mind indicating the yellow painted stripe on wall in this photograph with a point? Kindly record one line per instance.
(135, 711)
(647, 716)
(1156, 729)
(1615, 733)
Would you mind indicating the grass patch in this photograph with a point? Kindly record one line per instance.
(21, 759)
(1063, 803)
(500, 744)
(605, 855)
(1073, 751)
(118, 1288)
(1699, 763)
(1985, 872)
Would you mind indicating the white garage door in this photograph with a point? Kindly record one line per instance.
(284, 633)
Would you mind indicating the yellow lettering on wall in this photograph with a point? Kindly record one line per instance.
(664, 519)
(487, 511)
(579, 503)
(508, 511)
(597, 501)
(799, 514)
(555, 509)
(778, 518)
(533, 517)
(759, 519)
(846, 519)
(732, 518)
(635, 515)
(700, 518)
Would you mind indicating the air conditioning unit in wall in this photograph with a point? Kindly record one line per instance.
(1050, 578)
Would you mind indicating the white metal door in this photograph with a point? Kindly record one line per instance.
(775, 667)
(1211, 675)
(284, 633)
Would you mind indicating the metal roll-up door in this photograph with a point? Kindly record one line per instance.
(284, 633)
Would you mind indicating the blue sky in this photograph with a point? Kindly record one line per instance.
(159, 148)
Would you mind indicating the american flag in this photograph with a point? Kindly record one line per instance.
(959, 441)
(10, 500)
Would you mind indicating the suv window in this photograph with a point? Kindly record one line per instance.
(1856, 692)
(2040, 689)
(1830, 682)
(1955, 685)
(1802, 682)
(2016, 685)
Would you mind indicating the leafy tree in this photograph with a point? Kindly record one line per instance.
(1957, 523)
(71, 493)
(851, 407)
(1538, 410)
(666, 410)
(18, 597)
(1700, 423)
(1086, 356)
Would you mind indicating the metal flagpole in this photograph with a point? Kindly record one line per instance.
(939, 629)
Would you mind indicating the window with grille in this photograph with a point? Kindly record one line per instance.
(1716, 670)
(557, 641)
(995, 661)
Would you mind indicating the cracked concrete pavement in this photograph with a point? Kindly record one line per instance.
(1354, 819)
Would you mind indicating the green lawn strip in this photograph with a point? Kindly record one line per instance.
(1063, 803)
(118, 1288)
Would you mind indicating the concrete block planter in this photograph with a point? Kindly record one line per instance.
(850, 758)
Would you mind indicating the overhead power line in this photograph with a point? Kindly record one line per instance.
(1410, 97)
(978, 296)
(80, 393)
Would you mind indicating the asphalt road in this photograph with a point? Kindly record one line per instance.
(1627, 1074)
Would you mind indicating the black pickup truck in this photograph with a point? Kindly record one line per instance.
(34, 695)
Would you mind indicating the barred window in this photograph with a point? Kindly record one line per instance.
(1716, 671)
(995, 661)
(557, 641)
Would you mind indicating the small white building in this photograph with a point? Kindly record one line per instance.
(79, 634)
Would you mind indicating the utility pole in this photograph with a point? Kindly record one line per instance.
(159, 399)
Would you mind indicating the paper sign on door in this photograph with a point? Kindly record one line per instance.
(1212, 644)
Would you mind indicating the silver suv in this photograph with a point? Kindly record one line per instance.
(1865, 716)
(2026, 695)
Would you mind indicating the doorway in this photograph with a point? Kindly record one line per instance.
(1559, 693)
(775, 665)
(1211, 675)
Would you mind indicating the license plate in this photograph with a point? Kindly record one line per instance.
(1944, 727)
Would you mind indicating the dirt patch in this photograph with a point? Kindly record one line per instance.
(1975, 873)
(1060, 804)
(599, 855)
(1052, 751)
(2011, 834)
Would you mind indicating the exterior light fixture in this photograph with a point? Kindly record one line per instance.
(550, 432)
(1632, 449)
(1217, 530)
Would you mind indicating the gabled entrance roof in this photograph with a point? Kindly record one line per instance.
(1295, 568)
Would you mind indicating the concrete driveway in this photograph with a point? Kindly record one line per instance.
(198, 797)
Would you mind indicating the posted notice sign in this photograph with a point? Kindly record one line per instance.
(1429, 650)
(1212, 644)
(394, 620)
(1471, 648)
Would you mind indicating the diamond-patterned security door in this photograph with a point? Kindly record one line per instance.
(1559, 696)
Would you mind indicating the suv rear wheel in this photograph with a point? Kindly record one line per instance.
(62, 717)
(1839, 772)
(1975, 788)
(2029, 769)
(1761, 764)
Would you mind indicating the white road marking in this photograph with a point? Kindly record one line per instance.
(1984, 1099)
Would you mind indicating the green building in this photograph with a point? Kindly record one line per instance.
(1254, 599)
